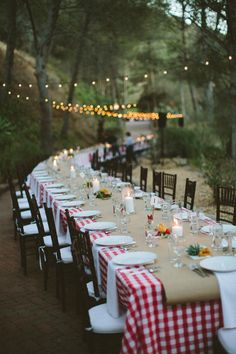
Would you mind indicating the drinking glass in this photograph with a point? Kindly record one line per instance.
(150, 238)
(217, 235)
(147, 203)
(165, 215)
(124, 220)
(193, 222)
(179, 250)
(91, 197)
(227, 243)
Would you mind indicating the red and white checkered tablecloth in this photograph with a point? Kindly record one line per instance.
(154, 327)
(63, 215)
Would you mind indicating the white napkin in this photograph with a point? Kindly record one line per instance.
(227, 285)
(95, 251)
(113, 306)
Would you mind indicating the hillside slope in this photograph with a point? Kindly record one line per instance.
(82, 129)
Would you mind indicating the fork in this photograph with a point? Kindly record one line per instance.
(195, 268)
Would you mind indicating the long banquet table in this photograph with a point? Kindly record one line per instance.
(169, 311)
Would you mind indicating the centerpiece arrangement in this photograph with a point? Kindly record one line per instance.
(103, 193)
(162, 230)
(198, 250)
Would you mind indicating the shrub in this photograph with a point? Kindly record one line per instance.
(182, 142)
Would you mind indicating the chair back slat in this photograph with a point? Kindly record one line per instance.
(189, 194)
(82, 278)
(169, 185)
(226, 204)
(53, 232)
(143, 178)
(37, 217)
(157, 182)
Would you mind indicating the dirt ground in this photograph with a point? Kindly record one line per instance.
(203, 196)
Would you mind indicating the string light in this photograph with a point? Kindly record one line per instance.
(27, 98)
(18, 96)
(9, 92)
(126, 78)
(46, 100)
(108, 111)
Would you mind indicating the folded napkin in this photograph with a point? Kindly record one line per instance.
(227, 285)
(95, 251)
(113, 306)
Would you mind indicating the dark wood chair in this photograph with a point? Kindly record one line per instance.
(189, 194)
(63, 258)
(169, 185)
(226, 204)
(157, 182)
(127, 172)
(143, 178)
(103, 333)
(86, 250)
(26, 231)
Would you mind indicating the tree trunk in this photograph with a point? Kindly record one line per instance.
(231, 34)
(46, 116)
(42, 44)
(74, 76)
(11, 42)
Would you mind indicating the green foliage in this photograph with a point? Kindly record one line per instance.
(182, 142)
(19, 140)
(220, 171)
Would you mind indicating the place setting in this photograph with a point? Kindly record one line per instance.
(95, 214)
(100, 226)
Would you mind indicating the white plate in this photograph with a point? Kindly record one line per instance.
(73, 203)
(46, 179)
(55, 185)
(59, 190)
(86, 213)
(158, 206)
(219, 263)
(138, 194)
(40, 174)
(137, 188)
(122, 184)
(134, 258)
(181, 216)
(226, 228)
(100, 226)
(64, 197)
(114, 240)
